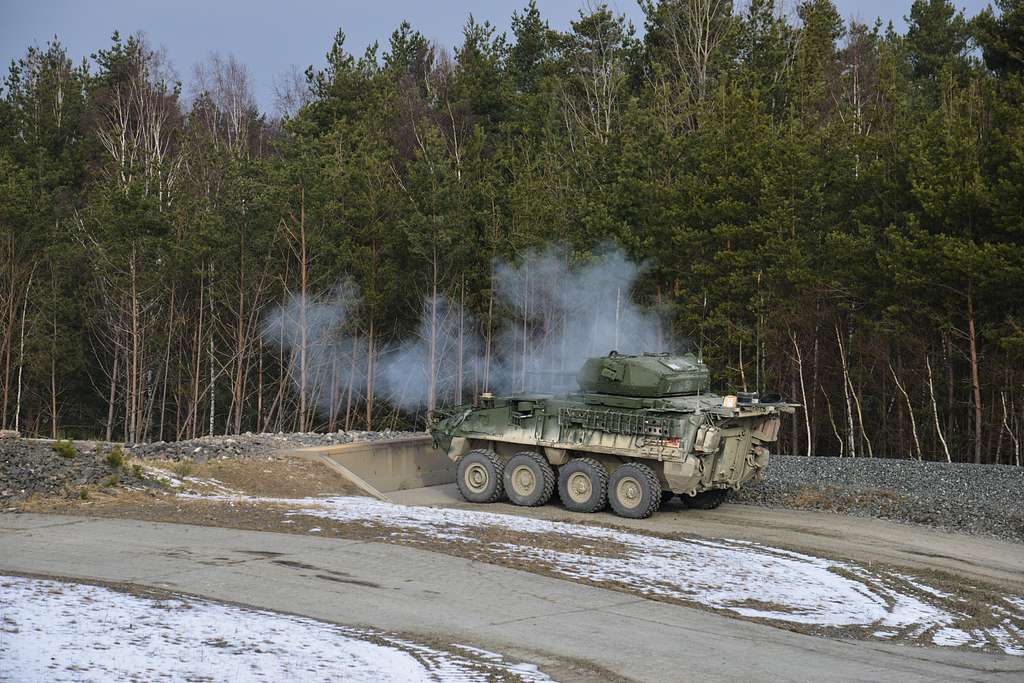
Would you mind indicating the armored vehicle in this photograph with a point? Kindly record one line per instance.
(641, 430)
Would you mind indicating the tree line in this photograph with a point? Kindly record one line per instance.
(826, 208)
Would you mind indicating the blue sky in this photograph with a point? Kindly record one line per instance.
(270, 37)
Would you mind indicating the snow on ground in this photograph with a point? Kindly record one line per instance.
(748, 579)
(208, 485)
(55, 631)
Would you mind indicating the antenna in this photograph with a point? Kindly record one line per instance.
(618, 303)
(703, 315)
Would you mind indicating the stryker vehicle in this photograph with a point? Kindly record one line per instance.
(641, 430)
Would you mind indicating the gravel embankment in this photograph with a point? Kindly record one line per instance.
(33, 467)
(987, 499)
(249, 445)
(29, 467)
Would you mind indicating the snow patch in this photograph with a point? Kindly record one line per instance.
(55, 631)
(746, 578)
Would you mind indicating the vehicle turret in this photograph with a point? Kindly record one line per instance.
(649, 375)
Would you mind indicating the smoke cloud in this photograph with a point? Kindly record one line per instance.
(548, 315)
(563, 315)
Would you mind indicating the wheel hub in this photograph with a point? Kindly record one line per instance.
(629, 491)
(476, 478)
(580, 487)
(523, 480)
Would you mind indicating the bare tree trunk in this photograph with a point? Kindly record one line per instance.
(803, 389)
(167, 363)
(303, 291)
(743, 374)
(975, 383)
(369, 375)
(935, 408)
(856, 400)
(113, 391)
(53, 380)
(1013, 437)
(910, 411)
(432, 342)
(461, 358)
(846, 395)
(213, 392)
(812, 415)
(134, 382)
(351, 381)
(526, 317)
(489, 335)
(240, 345)
(10, 322)
(21, 352)
(489, 332)
(259, 385)
(832, 420)
(947, 351)
(192, 418)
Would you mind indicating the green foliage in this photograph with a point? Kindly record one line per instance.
(936, 37)
(65, 449)
(788, 185)
(115, 458)
(1001, 36)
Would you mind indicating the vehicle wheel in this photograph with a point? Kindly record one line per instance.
(706, 500)
(529, 479)
(479, 476)
(583, 485)
(634, 491)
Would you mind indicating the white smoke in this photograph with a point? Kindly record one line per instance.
(441, 359)
(549, 314)
(334, 353)
(560, 315)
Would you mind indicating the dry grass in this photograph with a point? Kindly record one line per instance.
(836, 498)
(272, 478)
(181, 468)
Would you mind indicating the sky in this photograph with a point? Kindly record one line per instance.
(272, 37)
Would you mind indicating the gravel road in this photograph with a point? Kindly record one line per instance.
(574, 632)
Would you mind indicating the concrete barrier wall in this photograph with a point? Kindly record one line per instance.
(387, 464)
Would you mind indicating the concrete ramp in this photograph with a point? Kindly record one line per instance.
(385, 465)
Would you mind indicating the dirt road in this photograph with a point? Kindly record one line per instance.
(438, 598)
(977, 558)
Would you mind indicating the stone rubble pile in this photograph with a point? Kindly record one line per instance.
(29, 467)
(249, 445)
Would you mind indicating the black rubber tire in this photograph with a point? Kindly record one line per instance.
(543, 474)
(598, 476)
(706, 500)
(477, 461)
(650, 491)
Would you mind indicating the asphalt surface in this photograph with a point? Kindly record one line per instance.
(437, 598)
(977, 558)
